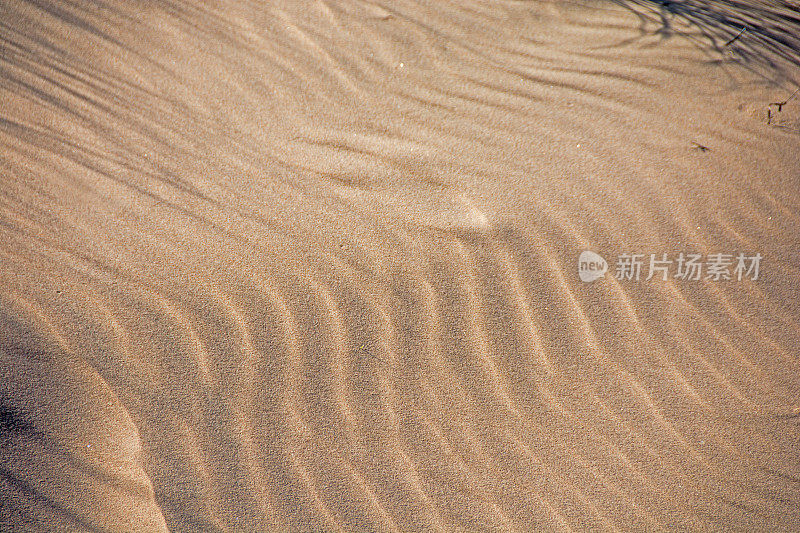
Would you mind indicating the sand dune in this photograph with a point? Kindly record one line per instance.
(314, 266)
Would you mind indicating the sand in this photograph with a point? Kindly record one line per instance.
(284, 266)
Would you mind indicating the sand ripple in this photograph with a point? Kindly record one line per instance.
(312, 267)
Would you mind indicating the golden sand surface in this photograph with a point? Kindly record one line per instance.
(314, 266)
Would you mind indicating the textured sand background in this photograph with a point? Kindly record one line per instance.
(312, 266)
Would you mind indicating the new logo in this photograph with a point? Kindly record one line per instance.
(591, 266)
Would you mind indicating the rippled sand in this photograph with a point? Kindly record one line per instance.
(312, 266)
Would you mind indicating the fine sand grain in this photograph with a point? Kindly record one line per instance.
(313, 266)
